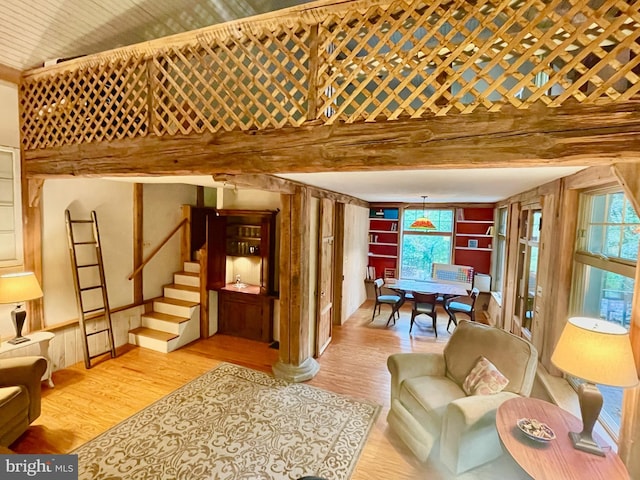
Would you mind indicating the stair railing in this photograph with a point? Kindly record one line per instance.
(157, 249)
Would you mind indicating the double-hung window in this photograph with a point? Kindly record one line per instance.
(10, 208)
(501, 249)
(420, 247)
(605, 260)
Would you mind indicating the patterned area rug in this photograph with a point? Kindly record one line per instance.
(234, 423)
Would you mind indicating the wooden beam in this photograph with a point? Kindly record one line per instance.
(540, 136)
(272, 183)
(269, 183)
(629, 177)
(590, 177)
(10, 74)
(32, 242)
(285, 279)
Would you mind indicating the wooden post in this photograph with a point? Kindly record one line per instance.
(32, 235)
(295, 363)
(629, 442)
(185, 236)
(204, 292)
(138, 241)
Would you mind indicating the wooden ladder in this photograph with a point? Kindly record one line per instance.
(86, 246)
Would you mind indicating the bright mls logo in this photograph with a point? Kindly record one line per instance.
(52, 467)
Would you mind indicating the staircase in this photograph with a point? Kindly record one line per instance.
(175, 319)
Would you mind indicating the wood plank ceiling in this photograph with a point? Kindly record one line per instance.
(35, 31)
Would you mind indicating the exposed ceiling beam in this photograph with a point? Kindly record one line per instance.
(584, 135)
(10, 74)
(283, 185)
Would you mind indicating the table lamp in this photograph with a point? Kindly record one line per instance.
(596, 351)
(18, 288)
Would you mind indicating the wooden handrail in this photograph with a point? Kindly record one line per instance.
(157, 249)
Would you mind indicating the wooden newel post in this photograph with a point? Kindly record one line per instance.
(295, 362)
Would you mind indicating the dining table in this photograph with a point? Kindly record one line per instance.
(426, 286)
(405, 286)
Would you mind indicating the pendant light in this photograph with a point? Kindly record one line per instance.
(423, 222)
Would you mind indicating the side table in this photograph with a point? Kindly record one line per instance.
(556, 458)
(35, 338)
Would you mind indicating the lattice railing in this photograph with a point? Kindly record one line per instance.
(360, 61)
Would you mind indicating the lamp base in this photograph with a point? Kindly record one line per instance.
(17, 340)
(586, 444)
(590, 405)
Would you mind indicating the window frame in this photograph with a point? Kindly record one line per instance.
(583, 260)
(424, 233)
(16, 205)
(502, 226)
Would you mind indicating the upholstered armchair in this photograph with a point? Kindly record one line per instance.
(20, 383)
(429, 404)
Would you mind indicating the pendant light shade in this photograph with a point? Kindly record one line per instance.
(423, 222)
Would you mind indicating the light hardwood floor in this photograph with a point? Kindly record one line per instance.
(84, 403)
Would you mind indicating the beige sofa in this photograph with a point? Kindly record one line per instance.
(428, 403)
(20, 380)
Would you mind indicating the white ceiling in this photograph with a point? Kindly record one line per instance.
(33, 31)
(484, 185)
(488, 185)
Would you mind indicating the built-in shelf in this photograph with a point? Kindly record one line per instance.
(384, 219)
(383, 244)
(475, 249)
(486, 222)
(375, 255)
(473, 235)
(383, 231)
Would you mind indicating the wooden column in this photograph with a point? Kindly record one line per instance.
(295, 363)
(32, 235)
(138, 241)
(629, 442)
(560, 271)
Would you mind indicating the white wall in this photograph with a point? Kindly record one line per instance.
(9, 137)
(162, 211)
(355, 259)
(9, 116)
(113, 203)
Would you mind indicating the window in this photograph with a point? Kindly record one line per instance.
(529, 236)
(10, 208)
(501, 249)
(605, 258)
(421, 248)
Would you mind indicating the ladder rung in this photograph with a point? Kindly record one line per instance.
(94, 310)
(85, 243)
(99, 354)
(88, 265)
(97, 331)
(81, 221)
(90, 288)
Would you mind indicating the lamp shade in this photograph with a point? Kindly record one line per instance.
(596, 351)
(424, 223)
(19, 287)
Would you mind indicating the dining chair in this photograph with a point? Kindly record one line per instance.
(424, 303)
(461, 304)
(395, 301)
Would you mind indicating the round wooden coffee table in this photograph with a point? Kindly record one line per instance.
(556, 458)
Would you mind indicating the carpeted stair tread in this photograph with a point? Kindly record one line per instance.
(165, 317)
(175, 301)
(155, 334)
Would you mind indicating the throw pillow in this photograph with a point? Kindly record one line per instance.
(484, 379)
